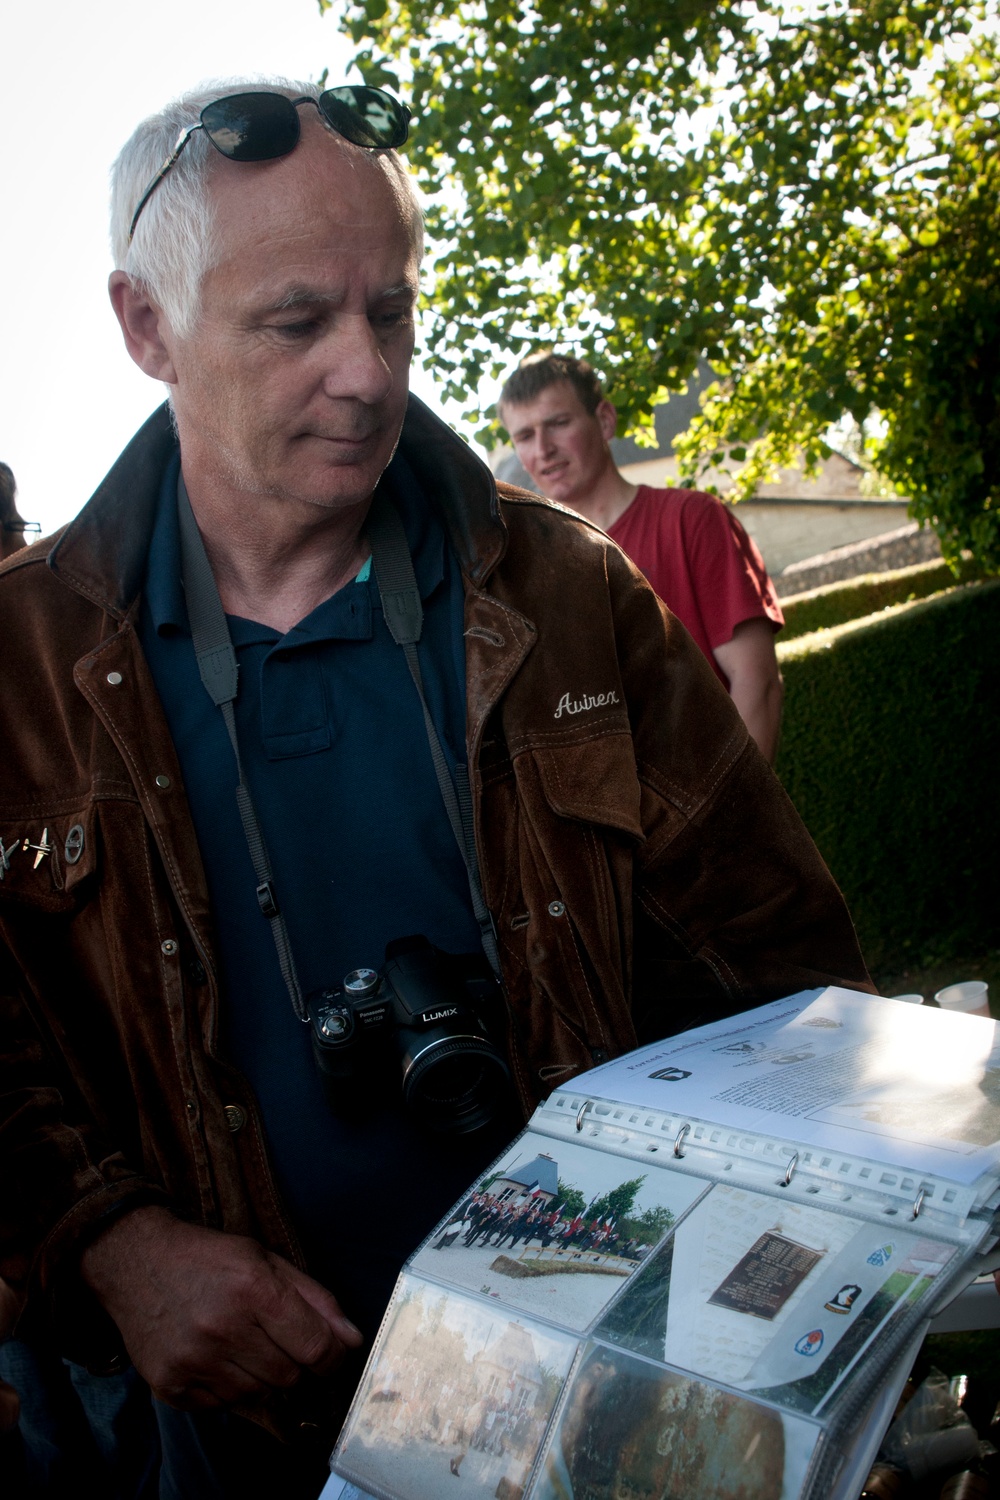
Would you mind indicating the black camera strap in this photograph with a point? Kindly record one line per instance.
(219, 669)
(404, 615)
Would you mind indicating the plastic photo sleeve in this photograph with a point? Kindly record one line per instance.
(557, 1229)
(456, 1389)
(342, 1489)
(632, 1430)
(778, 1299)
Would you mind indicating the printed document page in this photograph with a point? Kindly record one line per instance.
(911, 1086)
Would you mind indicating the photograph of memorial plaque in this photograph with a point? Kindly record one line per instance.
(763, 1280)
(891, 1279)
(458, 1389)
(557, 1229)
(632, 1430)
(778, 1299)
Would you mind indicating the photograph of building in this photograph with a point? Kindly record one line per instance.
(556, 1229)
(458, 1389)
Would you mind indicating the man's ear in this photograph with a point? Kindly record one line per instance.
(607, 419)
(143, 325)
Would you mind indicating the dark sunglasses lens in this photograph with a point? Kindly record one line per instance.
(366, 117)
(252, 127)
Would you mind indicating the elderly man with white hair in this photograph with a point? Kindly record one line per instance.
(348, 805)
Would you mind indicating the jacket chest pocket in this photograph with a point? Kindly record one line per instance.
(49, 858)
(566, 917)
(579, 829)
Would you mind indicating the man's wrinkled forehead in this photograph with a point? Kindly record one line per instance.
(365, 191)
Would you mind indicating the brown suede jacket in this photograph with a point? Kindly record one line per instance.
(645, 870)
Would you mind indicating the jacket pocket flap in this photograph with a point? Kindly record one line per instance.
(45, 858)
(594, 782)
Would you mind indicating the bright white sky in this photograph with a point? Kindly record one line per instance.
(78, 75)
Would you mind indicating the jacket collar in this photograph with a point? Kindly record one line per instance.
(102, 553)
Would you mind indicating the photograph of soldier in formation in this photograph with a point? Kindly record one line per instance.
(557, 1229)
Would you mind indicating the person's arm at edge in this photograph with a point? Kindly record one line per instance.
(10, 1403)
(251, 1320)
(751, 665)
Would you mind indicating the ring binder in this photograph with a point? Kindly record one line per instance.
(739, 1309)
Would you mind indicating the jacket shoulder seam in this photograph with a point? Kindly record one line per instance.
(511, 496)
(34, 556)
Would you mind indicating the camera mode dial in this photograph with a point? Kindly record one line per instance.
(360, 983)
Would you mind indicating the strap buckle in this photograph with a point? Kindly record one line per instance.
(267, 900)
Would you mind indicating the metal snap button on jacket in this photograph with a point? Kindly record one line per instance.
(236, 1116)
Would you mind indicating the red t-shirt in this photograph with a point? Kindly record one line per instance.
(700, 561)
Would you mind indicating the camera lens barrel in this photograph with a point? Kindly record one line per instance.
(455, 1083)
(429, 1014)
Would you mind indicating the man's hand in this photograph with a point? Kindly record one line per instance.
(211, 1319)
(755, 686)
(10, 1404)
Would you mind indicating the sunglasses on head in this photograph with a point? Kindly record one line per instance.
(262, 126)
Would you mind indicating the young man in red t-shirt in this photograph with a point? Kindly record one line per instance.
(689, 545)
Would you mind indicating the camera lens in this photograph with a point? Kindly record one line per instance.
(458, 1083)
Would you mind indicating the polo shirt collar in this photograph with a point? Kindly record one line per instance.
(347, 614)
(102, 553)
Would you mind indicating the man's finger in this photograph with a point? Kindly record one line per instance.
(300, 1332)
(304, 1320)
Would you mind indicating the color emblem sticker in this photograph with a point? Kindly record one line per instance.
(882, 1256)
(810, 1343)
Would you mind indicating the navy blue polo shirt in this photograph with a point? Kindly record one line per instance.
(336, 756)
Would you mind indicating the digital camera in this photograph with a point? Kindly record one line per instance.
(434, 1016)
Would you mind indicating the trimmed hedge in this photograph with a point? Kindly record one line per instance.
(834, 603)
(891, 752)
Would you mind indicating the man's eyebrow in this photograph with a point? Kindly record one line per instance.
(401, 289)
(301, 296)
(306, 296)
(523, 427)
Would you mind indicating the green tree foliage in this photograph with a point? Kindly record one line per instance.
(617, 1204)
(570, 1199)
(648, 1227)
(807, 194)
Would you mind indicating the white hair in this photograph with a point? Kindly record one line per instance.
(174, 242)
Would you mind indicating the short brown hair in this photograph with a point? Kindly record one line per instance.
(536, 373)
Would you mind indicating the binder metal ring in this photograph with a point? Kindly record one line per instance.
(587, 1104)
(793, 1162)
(918, 1202)
(679, 1141)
